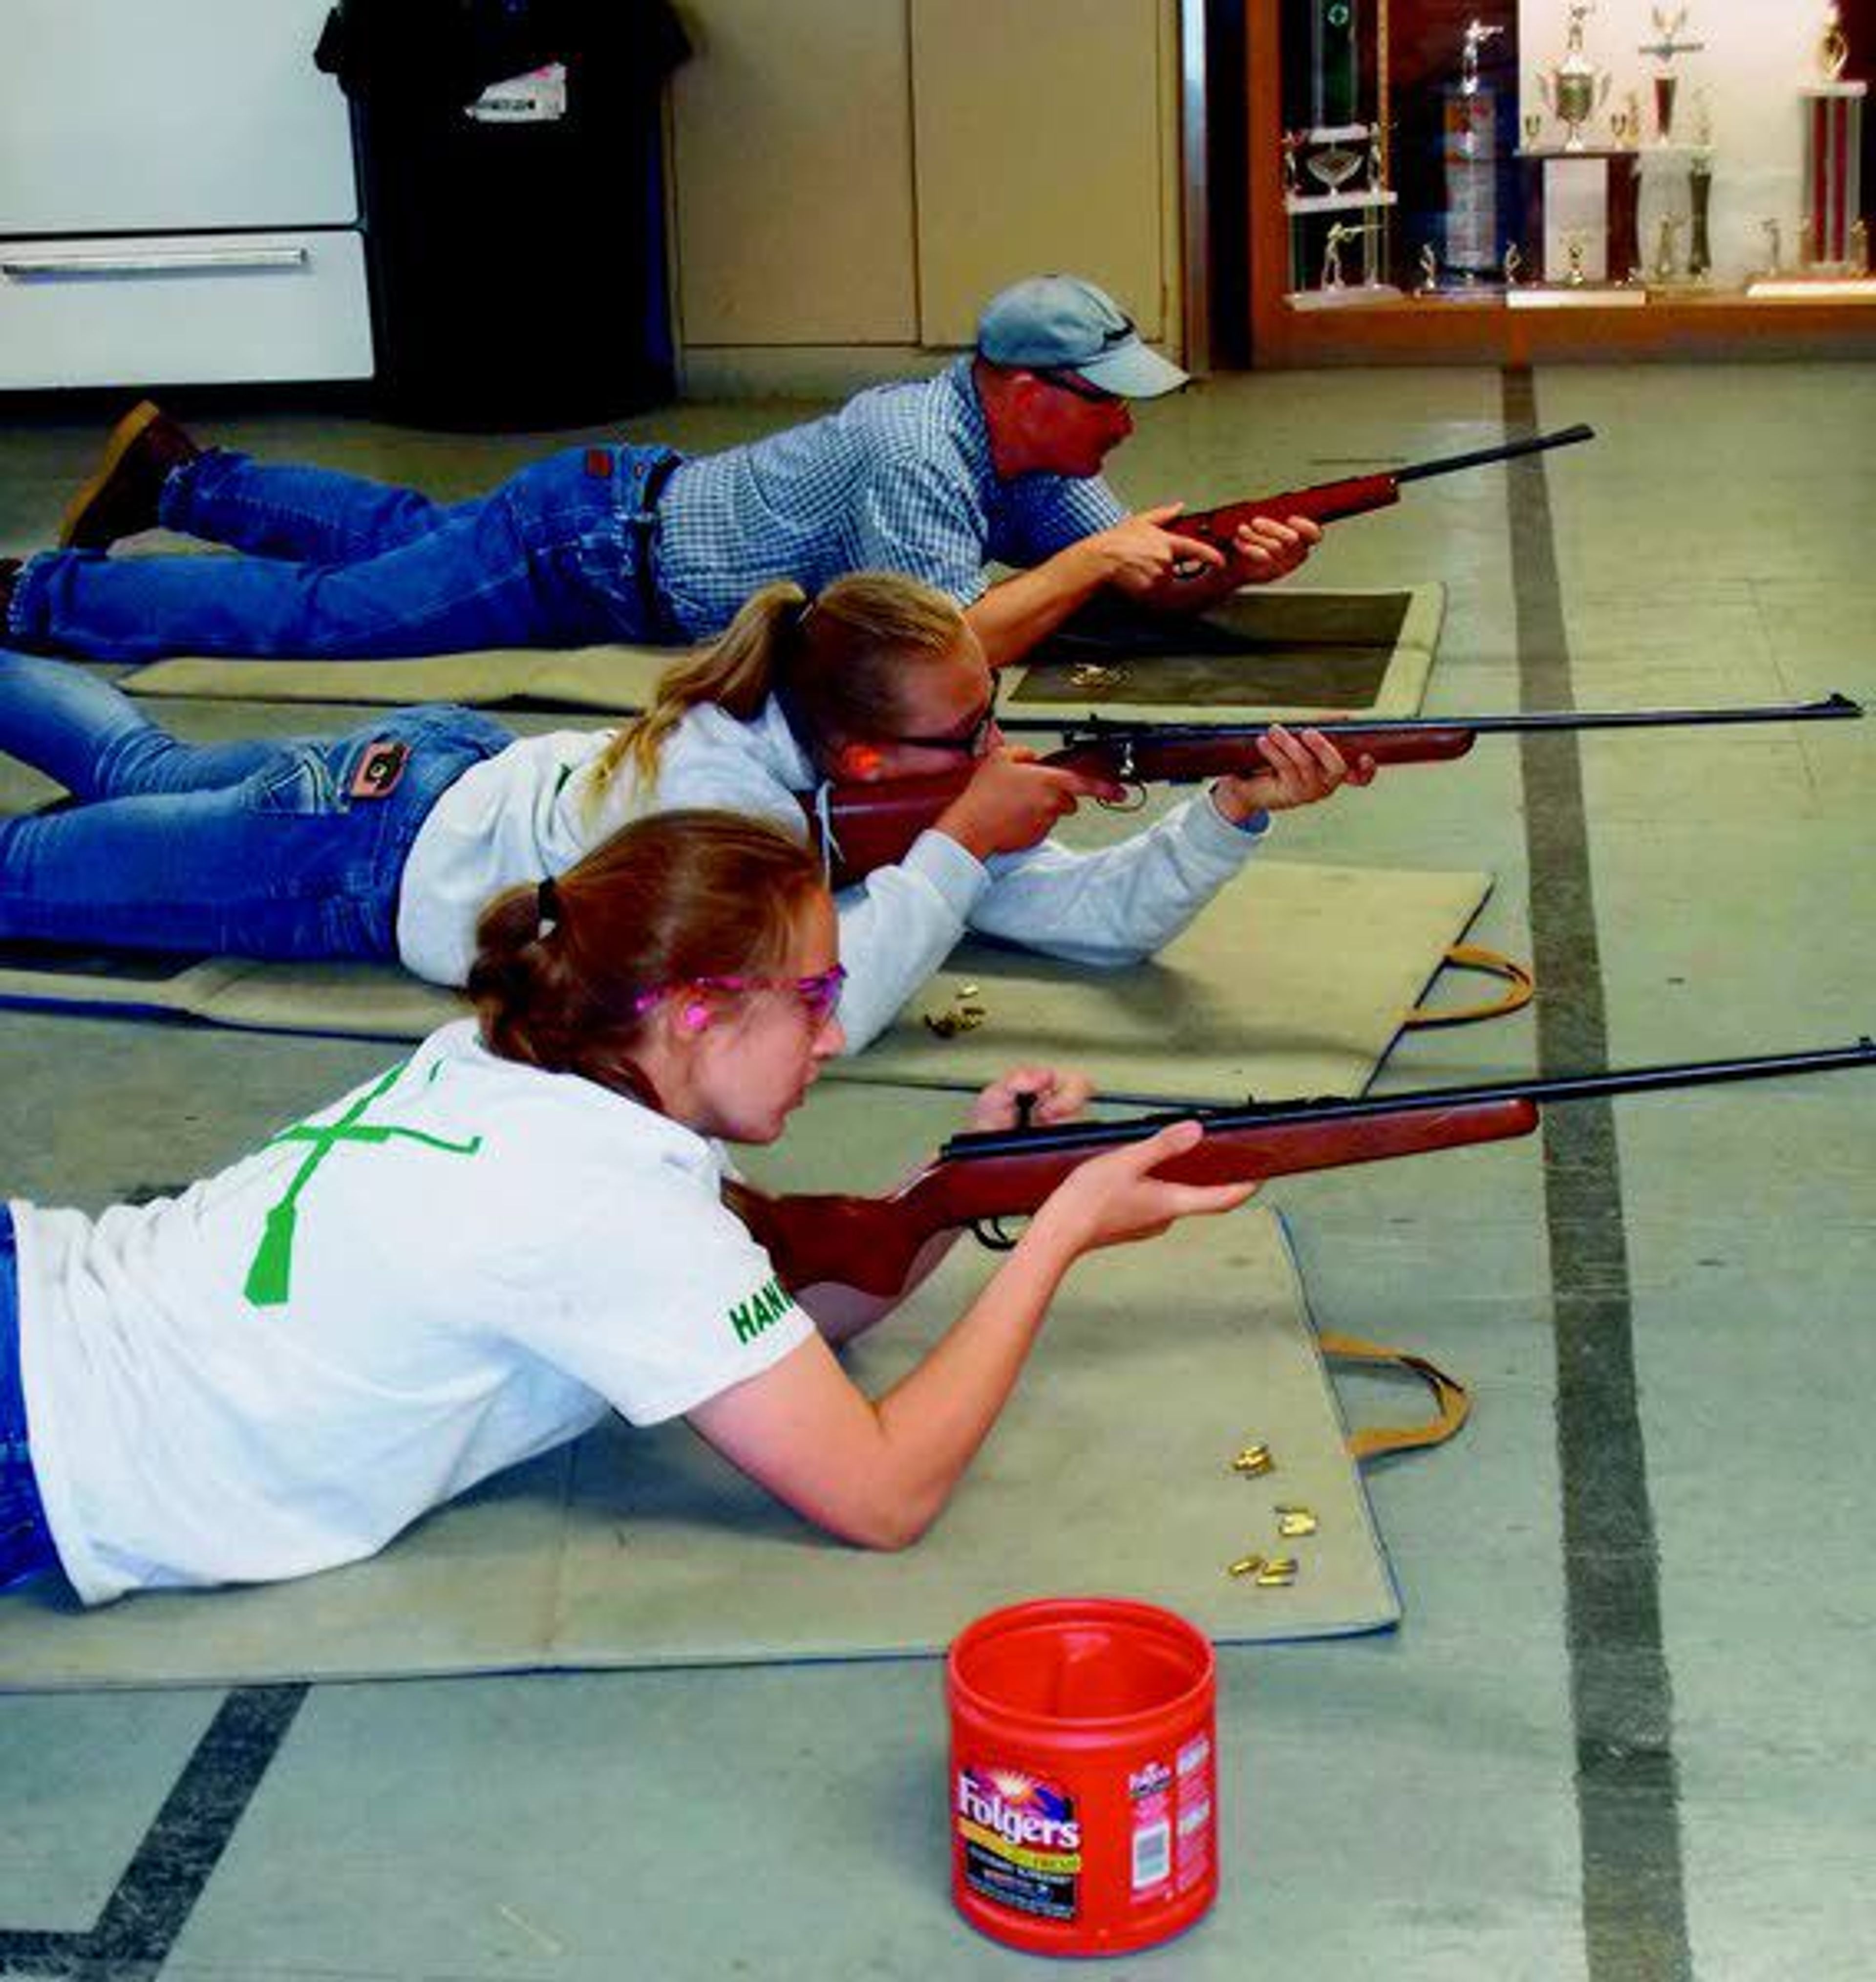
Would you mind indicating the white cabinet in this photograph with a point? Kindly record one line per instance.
(194, 308)
(178, 201)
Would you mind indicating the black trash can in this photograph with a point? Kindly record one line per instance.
(510, 168)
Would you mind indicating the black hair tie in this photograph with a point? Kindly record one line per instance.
(547, 907)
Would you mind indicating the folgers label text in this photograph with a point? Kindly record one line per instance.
(1021, 1841)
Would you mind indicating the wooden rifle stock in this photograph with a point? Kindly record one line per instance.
(1329, 501)
(869, 826)
(871, 1243)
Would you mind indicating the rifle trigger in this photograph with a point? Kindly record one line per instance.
(989, 1233)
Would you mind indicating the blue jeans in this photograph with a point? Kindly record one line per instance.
(339, 568)
(26, 1546)
(256, 848)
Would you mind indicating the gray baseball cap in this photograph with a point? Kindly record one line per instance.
(1060, 323)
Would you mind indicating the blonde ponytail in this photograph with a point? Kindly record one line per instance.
(844, 661)
(737, 672)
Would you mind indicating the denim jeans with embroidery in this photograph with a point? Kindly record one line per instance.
(258, 847)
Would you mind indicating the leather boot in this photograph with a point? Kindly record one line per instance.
(121, 499)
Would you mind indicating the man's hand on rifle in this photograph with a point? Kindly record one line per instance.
(1305, 770)
(1142, 553)
(1011, 802)
(1266, 548)
(1261, 551)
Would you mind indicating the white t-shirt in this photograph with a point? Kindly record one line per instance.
(534, 809)
(461, 1264)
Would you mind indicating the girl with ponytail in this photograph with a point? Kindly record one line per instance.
(386, 842)
(473, 1257)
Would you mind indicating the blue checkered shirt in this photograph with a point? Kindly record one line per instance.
(899, 479)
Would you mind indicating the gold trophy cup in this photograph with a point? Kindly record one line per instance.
(1575, 90)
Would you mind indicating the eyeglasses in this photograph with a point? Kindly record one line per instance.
(819, 992)
(973, 743)
(1074, 383)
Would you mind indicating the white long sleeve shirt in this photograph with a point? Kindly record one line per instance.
(536, 807)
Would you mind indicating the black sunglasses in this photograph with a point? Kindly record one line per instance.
(1073, 383)
(972, 742)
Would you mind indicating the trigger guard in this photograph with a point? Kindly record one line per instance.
(989, 1233)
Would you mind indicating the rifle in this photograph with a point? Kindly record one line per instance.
(864, 826)
(976, 1179)
(1329, 501)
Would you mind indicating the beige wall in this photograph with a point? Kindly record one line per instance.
(791, 174)
(851, 179)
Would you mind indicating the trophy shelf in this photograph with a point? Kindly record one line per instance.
(1801, 316)
(1337, 202)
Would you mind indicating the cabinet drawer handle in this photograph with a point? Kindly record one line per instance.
(152, 262)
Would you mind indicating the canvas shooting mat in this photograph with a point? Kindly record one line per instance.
(1277, 651)
(1295, 980)
(1268, 651)
(1109, 1471)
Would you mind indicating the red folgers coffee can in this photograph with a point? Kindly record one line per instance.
(1084, 1774)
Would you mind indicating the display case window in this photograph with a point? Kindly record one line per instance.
(1554, 153)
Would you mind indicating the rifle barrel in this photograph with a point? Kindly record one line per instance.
(1834, 707)
(1095, 728)
(1480, 457)
(1331, 1108)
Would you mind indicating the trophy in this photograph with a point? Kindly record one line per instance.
(1833, 152)
(1575, 90)
(1335, 161)
(1293, 142)
(1666, 81)
(1429, 271)
(1477, 35)
(1476, 179)
(1334, 64)
(1333, 166)
(1514, 261)
(1339, 232)
(1700, 193)
(1671, 225)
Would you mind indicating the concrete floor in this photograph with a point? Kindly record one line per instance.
(1624, 1730)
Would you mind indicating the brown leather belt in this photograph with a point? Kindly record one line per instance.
(644, 521)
